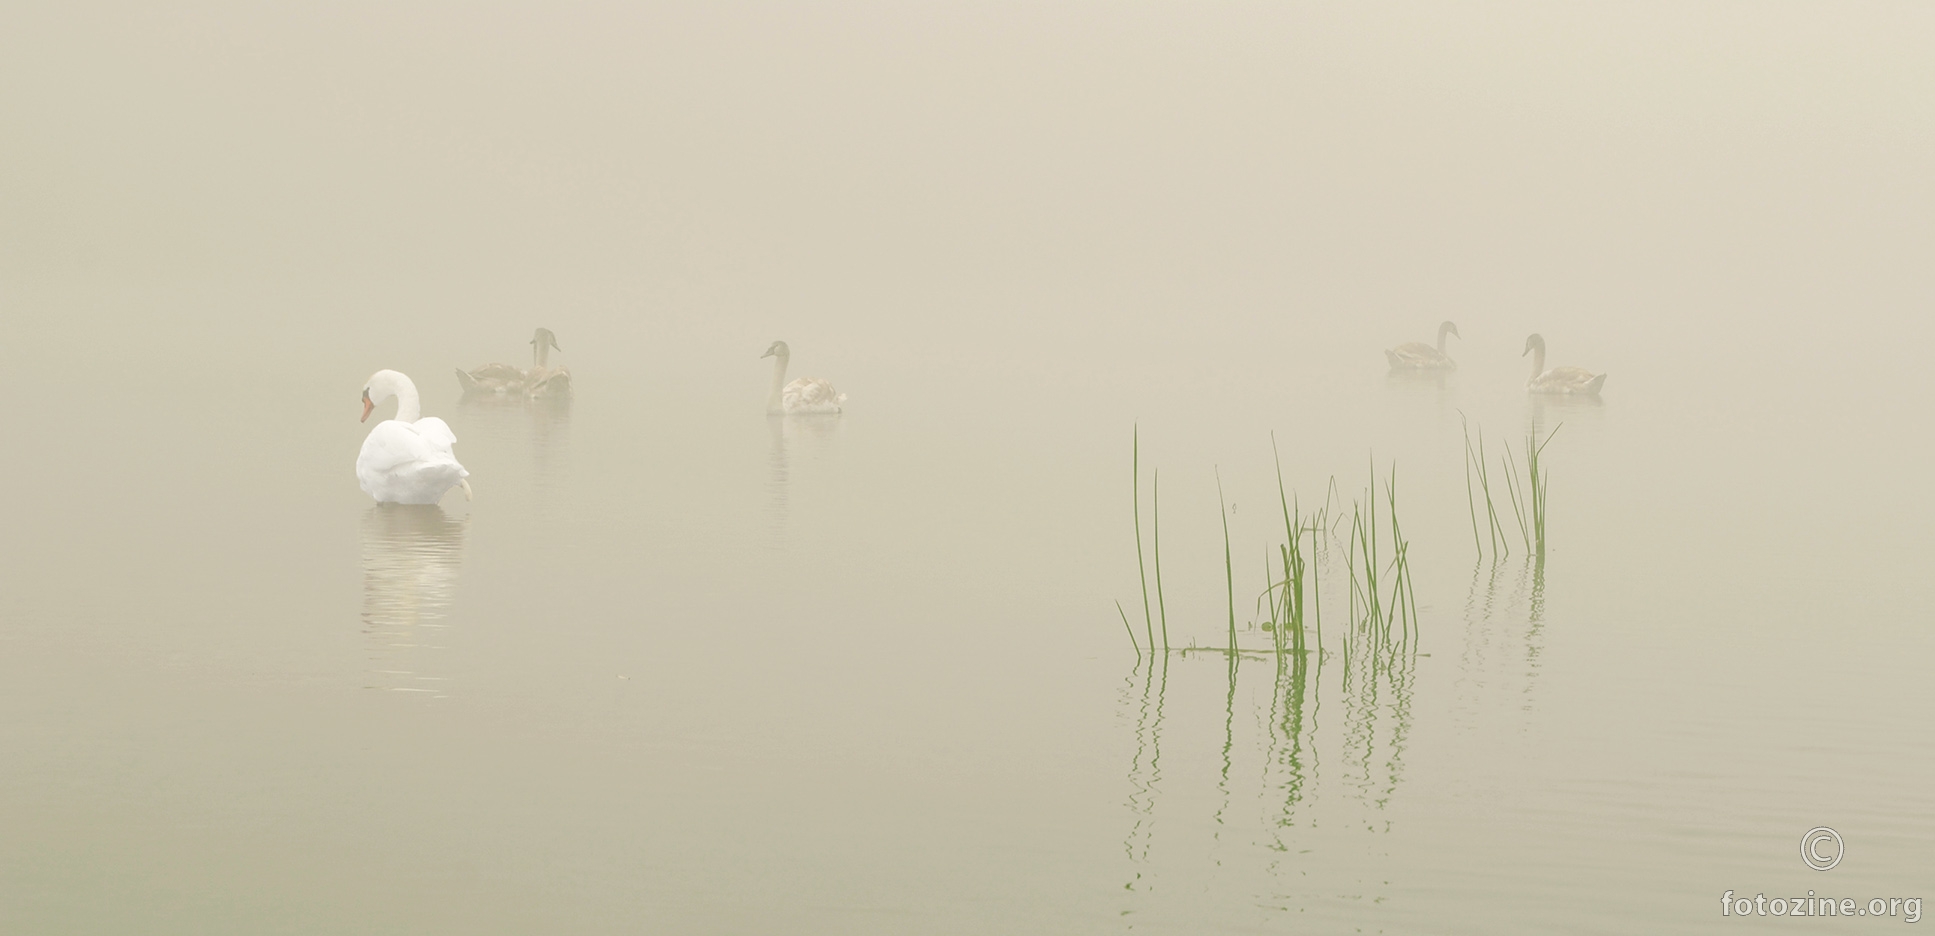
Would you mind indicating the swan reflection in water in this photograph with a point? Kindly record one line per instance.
(412, 560)
(805, 434)
(541, 427)
(1419, 379)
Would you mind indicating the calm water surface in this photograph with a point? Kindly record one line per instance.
(690, 667)
(680, 667)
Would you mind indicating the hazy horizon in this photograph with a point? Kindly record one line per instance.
(682, 665)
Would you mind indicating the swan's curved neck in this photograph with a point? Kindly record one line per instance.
(773, 404)
(1538, 361)
(1443, 330)
(408, 407)
(386, 384)
(542, 355)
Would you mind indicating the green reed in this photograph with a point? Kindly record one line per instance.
(1381, 592)
(1135, 472)
(1531, 517)
(1512, 487)
(1404, 596)
(1162, 607)
(1294, 565)
(1540, 479)
(1477, 462)
(1383, 595)
(1229, 566)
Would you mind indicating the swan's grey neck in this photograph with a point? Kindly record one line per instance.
(543, 353)
(1538, 361)
(1443, 330)
(773, 404)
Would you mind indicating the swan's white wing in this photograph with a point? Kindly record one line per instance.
(493, 378)
(409, 463)
(811, 395)
(555, 382)
(498, 372)
(1569, 380)
(437, 433)
(1413, 354)
(389, 445)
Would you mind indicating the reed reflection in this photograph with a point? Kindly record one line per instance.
(1271, 745)
(412, 562)
(1145, 768)
(1535, 629)
(1291, 705)
(1503, 639)
(1379, 681)
(1365, 657)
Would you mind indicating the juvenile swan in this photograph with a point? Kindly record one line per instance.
(547, 382)
(1574, 380)
(406, 460)
(805, 395)
(1415, 356)
(510, 380)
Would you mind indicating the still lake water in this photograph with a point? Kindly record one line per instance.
(681, 667)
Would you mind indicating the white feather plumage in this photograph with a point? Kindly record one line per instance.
(408, 459)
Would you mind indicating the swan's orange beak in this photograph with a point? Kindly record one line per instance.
(367, 406)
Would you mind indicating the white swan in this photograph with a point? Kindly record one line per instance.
(406, 460)
(508, 380)
(1573, 380)
(805, 395)
(1416, 356)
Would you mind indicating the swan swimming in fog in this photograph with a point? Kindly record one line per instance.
(506, 380)
(1416, 356)
(805, 395)
(407, 459)
(1574, 380)
(547, 382)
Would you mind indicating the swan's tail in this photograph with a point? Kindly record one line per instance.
(1595, 384)
(469, 383)
(1393, 358)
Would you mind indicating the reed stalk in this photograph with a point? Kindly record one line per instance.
(1541, 480)
(1471, 501)
(1293, 562)
(1135, 472)
(1403, 597)
(1513, 487)
(1229, 566)
(1161, 605)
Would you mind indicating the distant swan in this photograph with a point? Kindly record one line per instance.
(508, 380)
(546, 382)
(805, 395)
(408, 459)
(1574, 380)
(1415, 356)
